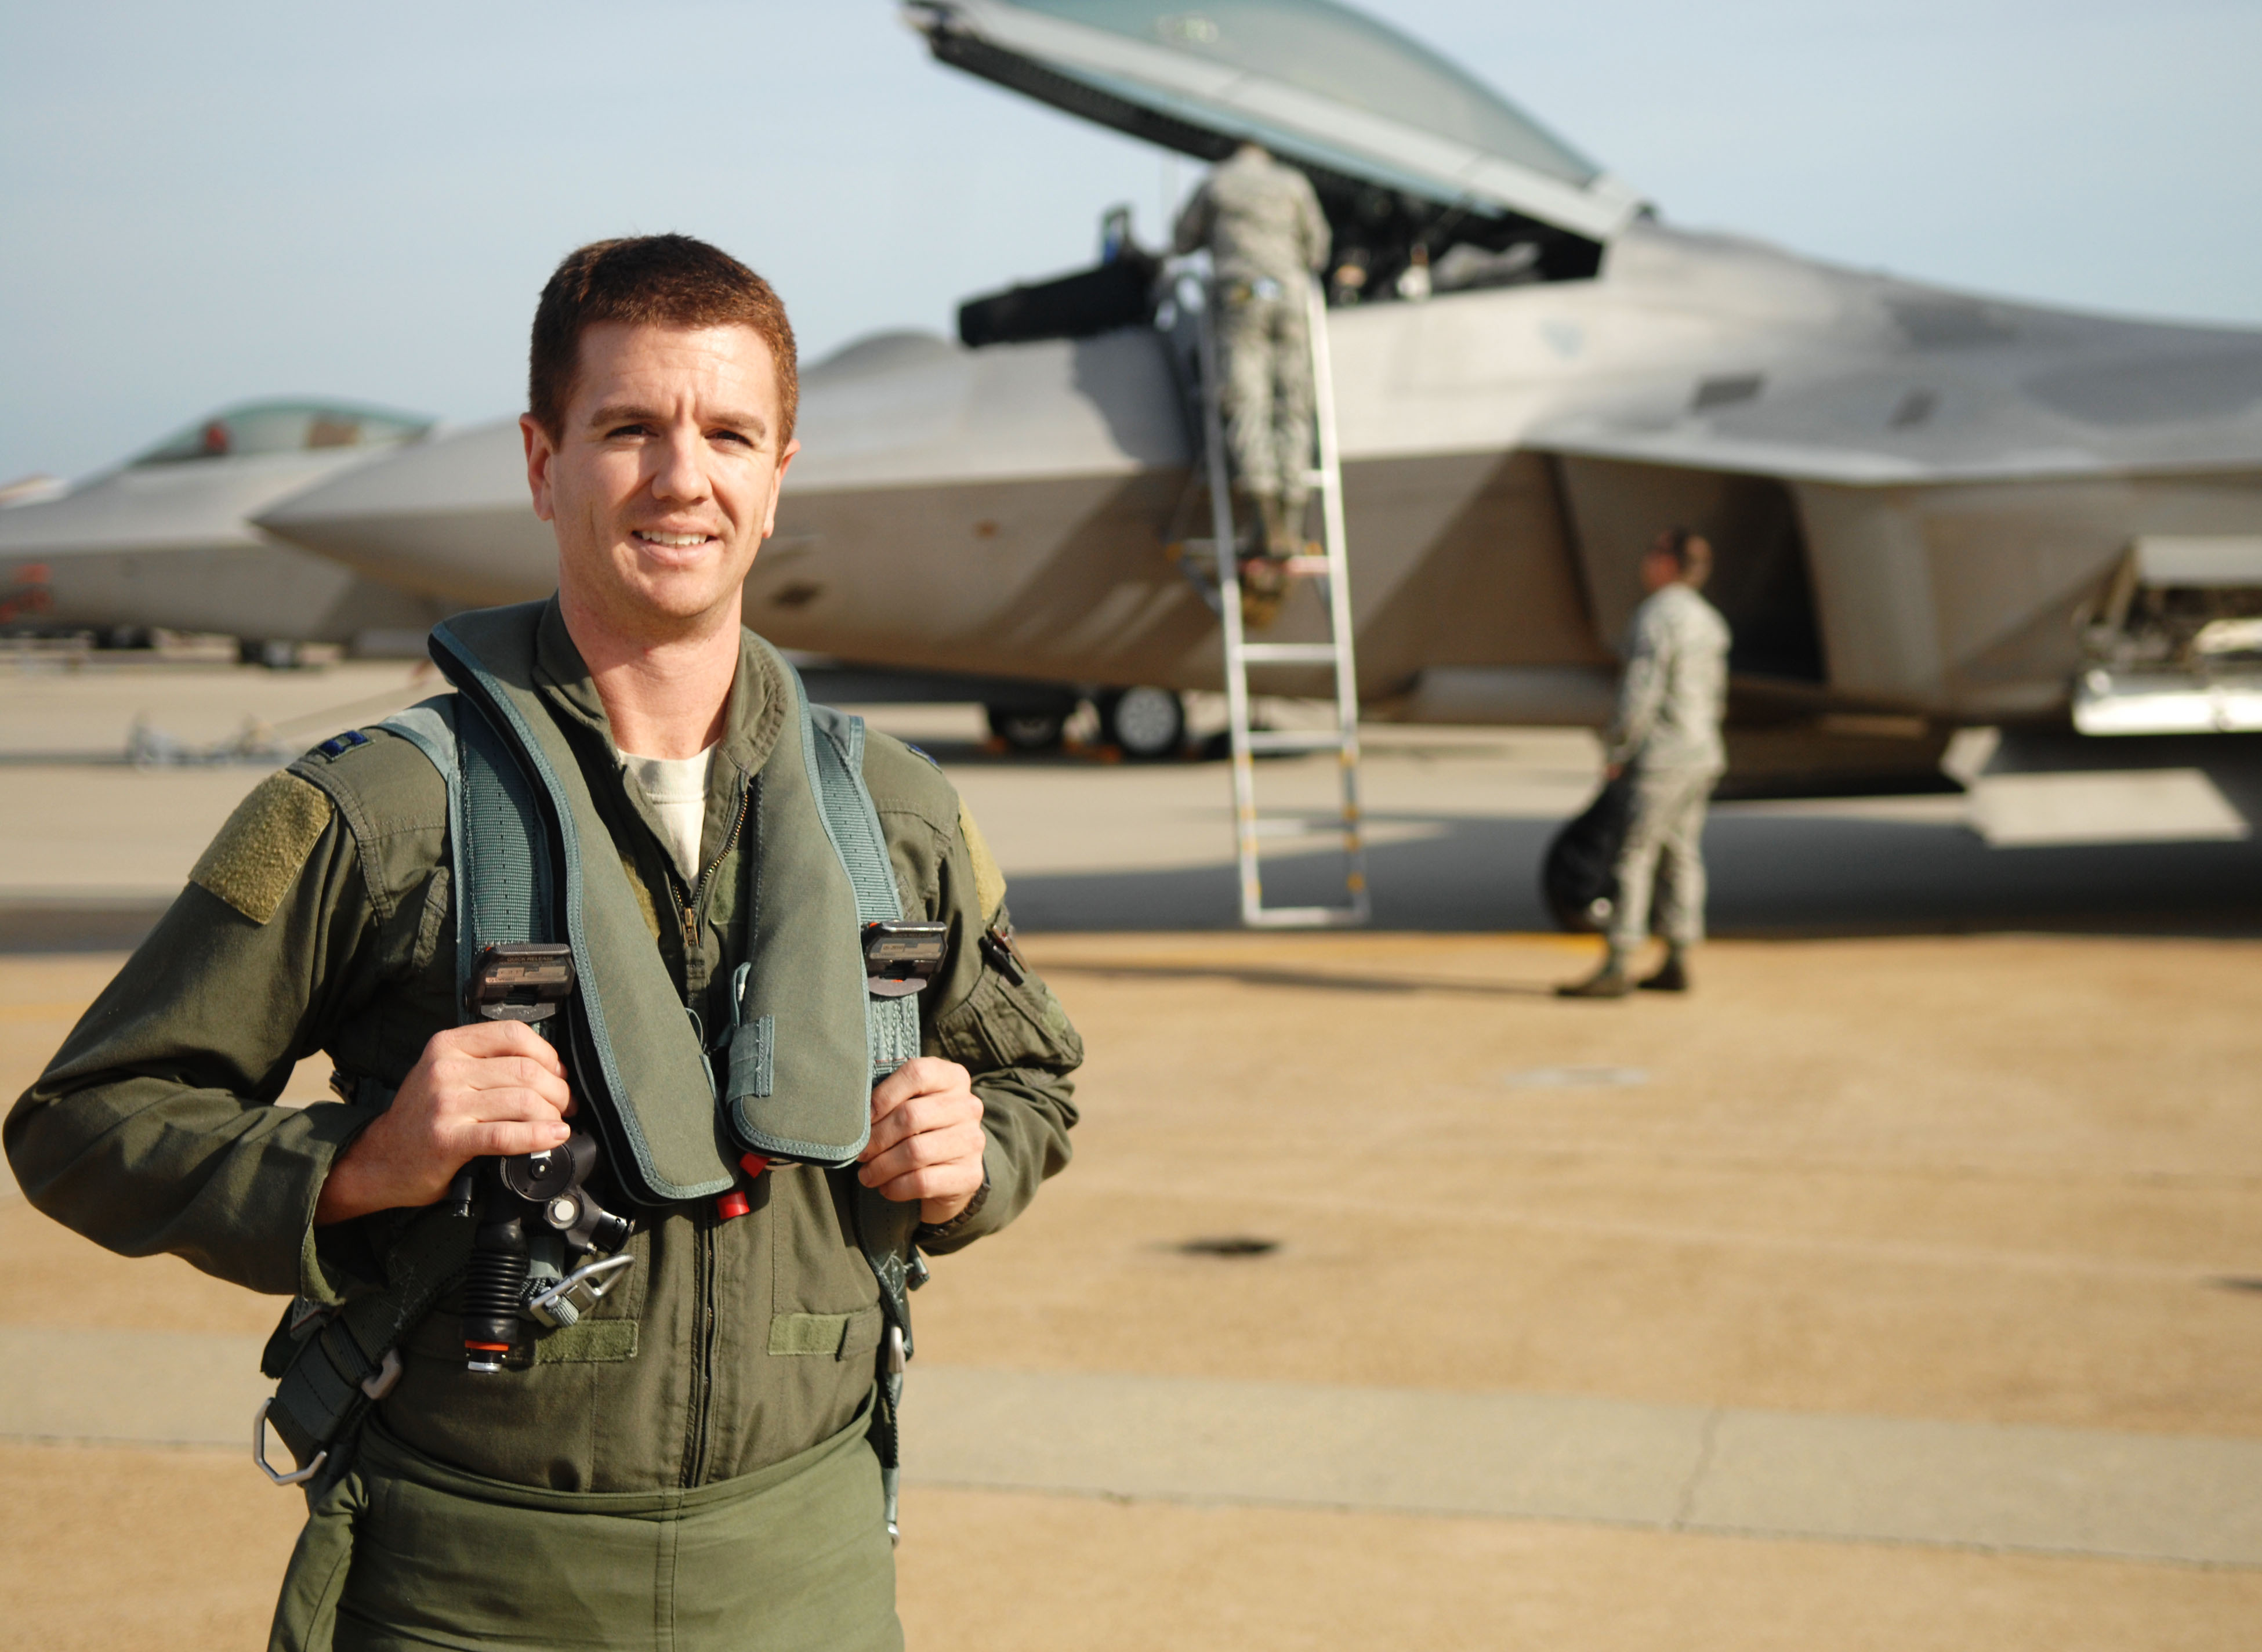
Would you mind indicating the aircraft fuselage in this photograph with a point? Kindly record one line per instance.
(1913, 492)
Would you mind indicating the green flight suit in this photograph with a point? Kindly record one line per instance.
(691, 1453)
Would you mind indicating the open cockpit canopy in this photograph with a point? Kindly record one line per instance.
(284, 426)
(1385, 126)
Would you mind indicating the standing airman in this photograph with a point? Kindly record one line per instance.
(1665, 738)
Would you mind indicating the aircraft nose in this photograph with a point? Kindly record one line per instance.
(447, 517)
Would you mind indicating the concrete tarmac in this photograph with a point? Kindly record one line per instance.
(1901, 1288)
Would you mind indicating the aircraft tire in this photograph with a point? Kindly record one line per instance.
(273, 654)
(1145, 724)
(1027, 731)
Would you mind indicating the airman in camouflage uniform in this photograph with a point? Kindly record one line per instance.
(1267, 237)
(1665, 737)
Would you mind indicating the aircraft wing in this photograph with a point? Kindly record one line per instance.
(2097, 397)
(1316, 82)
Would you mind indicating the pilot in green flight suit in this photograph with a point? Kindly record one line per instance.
(688, 1465)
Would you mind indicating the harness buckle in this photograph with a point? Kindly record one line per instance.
(378, 1384)
(901, 956)
(521, 981)
(297, 1476)
(565, 1303)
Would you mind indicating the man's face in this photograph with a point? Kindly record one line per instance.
(664, 481)
(1659, 568)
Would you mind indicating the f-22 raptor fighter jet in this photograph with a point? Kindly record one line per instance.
(1931, 509)
(164, 540)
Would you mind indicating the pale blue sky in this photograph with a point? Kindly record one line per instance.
(244, 197)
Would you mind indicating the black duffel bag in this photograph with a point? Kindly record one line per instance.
(1579, 877)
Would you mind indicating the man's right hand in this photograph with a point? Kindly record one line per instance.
(492, 1087)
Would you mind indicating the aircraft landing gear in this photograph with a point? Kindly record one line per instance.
(274, 654)
(1026, 730)
(1143, 724)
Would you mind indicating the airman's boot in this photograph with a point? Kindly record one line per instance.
(1284, 525)
(1609, 981)
(1274, 516)
(1672, 975)
(1264, 584)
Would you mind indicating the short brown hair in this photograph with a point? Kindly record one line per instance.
(651, 281)
(1691, 554)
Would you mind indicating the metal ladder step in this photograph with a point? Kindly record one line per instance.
(1288, 825)
(1298, 739)
(1331, 569)
(1349, 917)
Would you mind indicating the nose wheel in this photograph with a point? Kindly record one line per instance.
(1143, 724)
(1026, 731)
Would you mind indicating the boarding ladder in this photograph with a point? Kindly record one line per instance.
(1331, 570)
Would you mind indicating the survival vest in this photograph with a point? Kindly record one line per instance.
(533, 861)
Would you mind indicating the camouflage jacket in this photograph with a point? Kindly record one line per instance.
(1260, 220)
(1675, 692)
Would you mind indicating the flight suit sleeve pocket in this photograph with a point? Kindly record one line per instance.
(1002, 1024)
(836, 1336)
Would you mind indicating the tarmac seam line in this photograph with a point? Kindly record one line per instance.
(1744, 1534)
(1565, 1457)
(1688, 1505)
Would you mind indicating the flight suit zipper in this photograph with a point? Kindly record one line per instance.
(702, 1347)
(694, 903)
(704, 1320)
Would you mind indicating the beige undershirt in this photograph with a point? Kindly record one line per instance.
(676, 789)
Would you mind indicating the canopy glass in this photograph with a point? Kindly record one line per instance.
(284, 426)
(1333, 52)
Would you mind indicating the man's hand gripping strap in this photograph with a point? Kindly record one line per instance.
(639, 1069)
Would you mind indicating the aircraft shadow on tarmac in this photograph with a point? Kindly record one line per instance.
(1771, 876)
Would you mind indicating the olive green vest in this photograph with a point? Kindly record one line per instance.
(533, 860)
(807, 1038)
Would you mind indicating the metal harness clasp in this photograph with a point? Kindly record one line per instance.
(565, 1303)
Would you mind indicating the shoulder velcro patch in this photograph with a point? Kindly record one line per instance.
(257, 856)
(988, 881)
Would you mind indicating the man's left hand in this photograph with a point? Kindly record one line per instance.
(927, 1138)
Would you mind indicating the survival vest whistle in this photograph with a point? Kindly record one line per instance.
(901, 956)
(521, 981)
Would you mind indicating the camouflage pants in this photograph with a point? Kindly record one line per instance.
(1663, 855)
(1267, 373)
